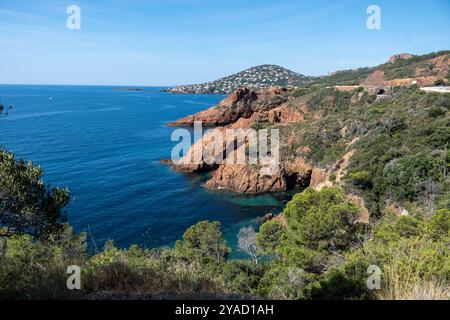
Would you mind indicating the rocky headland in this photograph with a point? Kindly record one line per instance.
(241, 110)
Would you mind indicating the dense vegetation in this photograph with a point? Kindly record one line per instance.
(400, 144)
(318, 250)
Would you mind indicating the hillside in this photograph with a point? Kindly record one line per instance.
(262, 76)
(425, 69)
(319, 128)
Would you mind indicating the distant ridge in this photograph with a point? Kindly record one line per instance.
(401, 69)
(257, 77)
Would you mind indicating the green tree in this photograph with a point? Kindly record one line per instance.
(321, 219)
(319, 226)
(27, 204)
(269, 236)
(203, 241)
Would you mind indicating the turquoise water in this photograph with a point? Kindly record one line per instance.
(105, 146)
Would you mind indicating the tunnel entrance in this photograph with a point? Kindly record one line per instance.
(297, 181)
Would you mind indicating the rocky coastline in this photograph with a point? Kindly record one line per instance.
(240, 110)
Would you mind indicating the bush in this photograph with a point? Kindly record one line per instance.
(32, 269)
(360, 179)
(438, 227)
(395, 228)
(284, 282)
(335, 285)
(332, 176)
(155, 271)
(412, 262)
(435, 112)
(243, 276)
(401, 176)
(408, 258)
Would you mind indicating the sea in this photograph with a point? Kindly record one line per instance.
(105, 146)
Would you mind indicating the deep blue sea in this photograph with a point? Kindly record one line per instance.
(105, 145)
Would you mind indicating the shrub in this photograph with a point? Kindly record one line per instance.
(242, 276)
(335, 285)
(438, 227)
(32, 269)
(155, 271)
(399, 286)
(411, 263)
(408, 258)
(318, 225)
(332, 176)
(440, 82)
(284, 282)
(360, 179)
(400, 176)
(394, 228)
(435, 112)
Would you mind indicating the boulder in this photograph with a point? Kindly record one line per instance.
(399, 56)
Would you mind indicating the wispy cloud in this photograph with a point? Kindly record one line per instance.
(16, 15)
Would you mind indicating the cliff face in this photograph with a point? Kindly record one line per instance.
(397, 56)
(246, 179)
(240, 110)
(245, 103)
(240, 104)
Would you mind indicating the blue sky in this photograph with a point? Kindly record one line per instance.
(168, 42)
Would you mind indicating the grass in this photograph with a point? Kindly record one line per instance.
(407, 285)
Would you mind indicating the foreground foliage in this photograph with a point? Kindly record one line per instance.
(329, 263)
